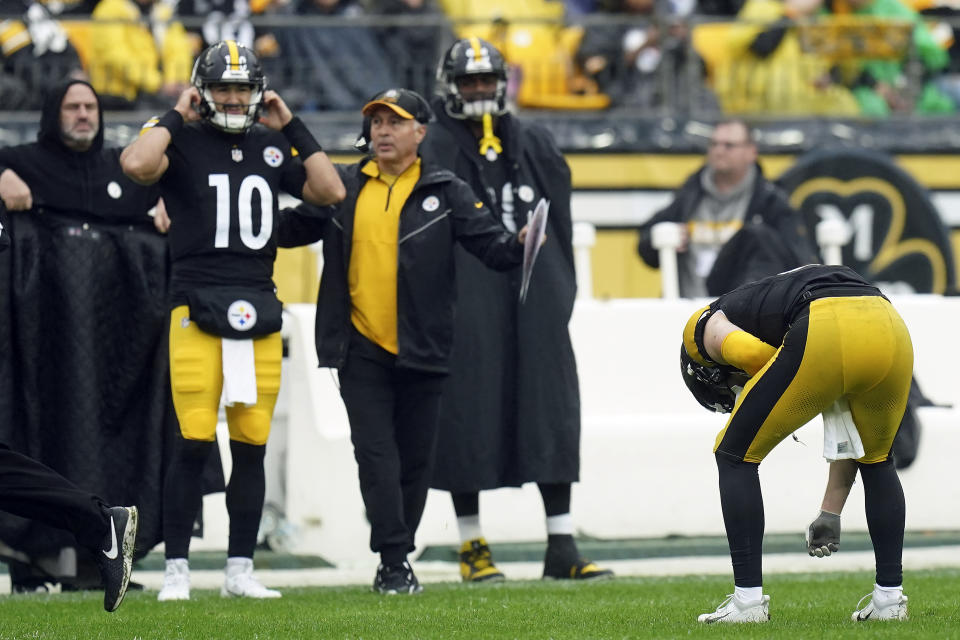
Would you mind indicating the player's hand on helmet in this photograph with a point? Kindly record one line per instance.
(823, 534)
(276, 114)
(14, 192)
(188, 103)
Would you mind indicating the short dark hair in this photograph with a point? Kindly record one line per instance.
(749, 130)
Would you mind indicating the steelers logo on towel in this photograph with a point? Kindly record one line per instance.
(272, 156)
(242, 315)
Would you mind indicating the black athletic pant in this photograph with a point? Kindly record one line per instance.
(33, 490)
(393, 414)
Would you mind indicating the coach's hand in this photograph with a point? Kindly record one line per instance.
(823, 534)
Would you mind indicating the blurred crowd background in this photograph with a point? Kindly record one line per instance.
(681, 58)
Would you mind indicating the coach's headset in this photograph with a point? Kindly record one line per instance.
(362, 143)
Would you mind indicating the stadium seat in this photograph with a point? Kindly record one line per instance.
(542, 54)
(710, 41)
(78, 32)
(505, 9)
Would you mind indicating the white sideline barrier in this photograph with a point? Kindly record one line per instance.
(646, 463)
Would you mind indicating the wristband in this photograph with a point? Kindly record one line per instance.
(300, 138)
(172, 121)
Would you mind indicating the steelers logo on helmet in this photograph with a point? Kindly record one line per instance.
(472, 57)
(220, 66)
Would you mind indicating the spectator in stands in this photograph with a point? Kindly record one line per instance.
(221, 156)
(385, 313)
(140, 56)
(793, 346)
(881, 86)
(411, 48)
(728, 201)
(625, 57)
(511, 410)
(87, 236)
(332, 66)
(35, 55)
(766, 72)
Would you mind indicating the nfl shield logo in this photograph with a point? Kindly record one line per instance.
(236, 154)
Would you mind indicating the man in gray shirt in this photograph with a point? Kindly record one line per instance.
(728, 194)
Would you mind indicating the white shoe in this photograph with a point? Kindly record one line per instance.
(176, 581)
(882, 606)
(240, 583)
(732, 610)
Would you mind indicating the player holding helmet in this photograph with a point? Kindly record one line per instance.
(221, 156)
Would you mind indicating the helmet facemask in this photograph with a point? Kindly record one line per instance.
(232, 122)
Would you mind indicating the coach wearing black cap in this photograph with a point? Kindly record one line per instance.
(385, 311)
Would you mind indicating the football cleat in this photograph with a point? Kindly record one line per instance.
(476, 563)
(239, 581)
(393, 579)
(115, 559)
(882, 606)
(732, 610)
(176, 580)
(564, 562)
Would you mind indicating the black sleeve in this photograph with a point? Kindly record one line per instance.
(4, 233)
(302, 225)
(479, 232)
(294, 175)
(768, 40)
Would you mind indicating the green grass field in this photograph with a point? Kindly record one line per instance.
(802, 606)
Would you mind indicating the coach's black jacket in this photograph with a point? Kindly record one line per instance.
(441, 211)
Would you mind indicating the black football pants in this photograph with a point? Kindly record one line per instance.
(30, 489)
(394, 413)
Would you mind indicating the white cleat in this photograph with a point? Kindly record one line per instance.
(732, 610)
(882, 606)
(240, 582)
(176, 581)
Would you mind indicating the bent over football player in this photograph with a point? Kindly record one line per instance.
(221, 156)
(797, 343)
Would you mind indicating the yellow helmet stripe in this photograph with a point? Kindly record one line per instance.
(234, 55)
(475, 45)
(690, 337)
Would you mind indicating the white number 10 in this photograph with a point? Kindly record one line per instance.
(221, 182)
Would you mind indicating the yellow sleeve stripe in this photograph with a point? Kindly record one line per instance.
(149, 124)
(13, 36)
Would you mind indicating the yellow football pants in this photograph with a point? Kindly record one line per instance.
(857, 348)
(196, 377)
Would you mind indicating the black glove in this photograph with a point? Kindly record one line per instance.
(823, 534)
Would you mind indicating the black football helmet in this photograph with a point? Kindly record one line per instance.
(229, 63)
(709, 385)
(467, 57)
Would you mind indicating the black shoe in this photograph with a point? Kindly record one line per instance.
(396, 578)
(564, 562)
(115, 558)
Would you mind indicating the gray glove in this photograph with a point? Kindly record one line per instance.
(823, 534)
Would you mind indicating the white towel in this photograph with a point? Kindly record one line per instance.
(239, 373)
(840, 436)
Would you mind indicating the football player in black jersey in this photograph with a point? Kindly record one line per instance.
(221, 156)
(796, 344)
